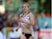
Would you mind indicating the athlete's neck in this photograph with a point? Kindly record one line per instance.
(25, 12)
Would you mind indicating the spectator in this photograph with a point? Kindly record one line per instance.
(1, 34)
(45, 25)
(15, 33)
(1, 19)
(36, 27)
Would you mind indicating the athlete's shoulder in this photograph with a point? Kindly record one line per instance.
(31, 14)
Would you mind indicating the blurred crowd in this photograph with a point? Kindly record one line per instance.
(8, 20)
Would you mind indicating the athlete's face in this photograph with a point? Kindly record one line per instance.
(25, 8)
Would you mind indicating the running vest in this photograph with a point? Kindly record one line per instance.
(26, 19)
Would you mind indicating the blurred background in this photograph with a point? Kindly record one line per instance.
(11, 9)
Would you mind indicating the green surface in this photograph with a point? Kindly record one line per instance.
(35, 6)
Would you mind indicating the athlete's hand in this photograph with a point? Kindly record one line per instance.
(20, 20)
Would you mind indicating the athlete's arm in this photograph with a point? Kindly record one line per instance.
(20, 18)
(31, 22)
